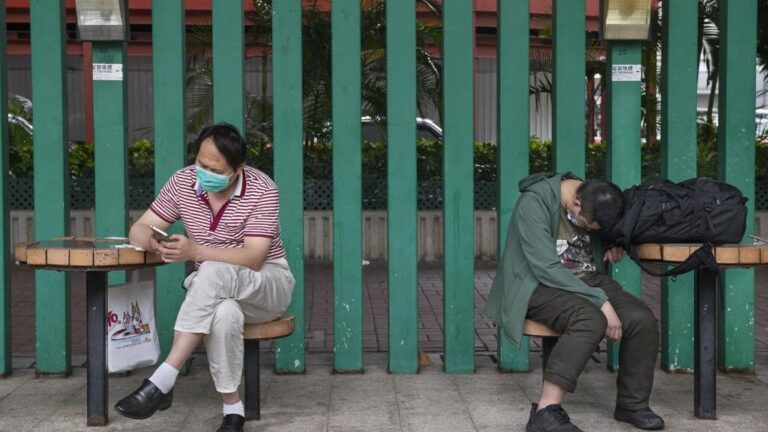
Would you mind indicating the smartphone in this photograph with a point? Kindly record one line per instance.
(160, 234)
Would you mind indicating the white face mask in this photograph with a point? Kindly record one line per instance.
(572, 219)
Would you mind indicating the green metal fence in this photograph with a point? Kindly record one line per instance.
(318, 194)
(459, 199)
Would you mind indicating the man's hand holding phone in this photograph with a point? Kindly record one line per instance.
(172, 249)
(157, 237)
(160, 235)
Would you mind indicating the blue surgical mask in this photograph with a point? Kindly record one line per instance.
(211, 181)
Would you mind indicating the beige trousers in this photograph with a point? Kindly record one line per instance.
(222, 297)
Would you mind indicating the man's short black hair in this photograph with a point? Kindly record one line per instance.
(601, 202)
(228, 142)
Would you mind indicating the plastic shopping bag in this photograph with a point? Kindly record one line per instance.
(132, 340)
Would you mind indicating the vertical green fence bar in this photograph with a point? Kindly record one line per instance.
(402, 212)
(168, 77)
(512, 142)
(347, 188)
(568, 108)
(5, 259)
(624, 145)
(111, 151)
(736, 148)
(288, 126)
(228, 62)
(458, 207)
(51, 168)
(678, 162)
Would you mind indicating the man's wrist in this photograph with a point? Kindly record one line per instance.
(197, 252)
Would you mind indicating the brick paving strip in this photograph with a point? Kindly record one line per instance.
(319, 304)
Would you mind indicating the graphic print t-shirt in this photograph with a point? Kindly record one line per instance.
(574, 248)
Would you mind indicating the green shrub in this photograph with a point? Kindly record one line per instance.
(429, 154)
(20, 152)
(141, 159)
(81, 160)
(540, 158)
(761, 161)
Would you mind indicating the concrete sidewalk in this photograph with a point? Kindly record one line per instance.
(377, 401)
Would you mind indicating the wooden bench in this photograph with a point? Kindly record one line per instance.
(252, 335)
(707, 286)
(548, 337)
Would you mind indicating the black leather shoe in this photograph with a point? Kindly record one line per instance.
(643, 418)
(144, 402)
(551, 418)
(232, 423)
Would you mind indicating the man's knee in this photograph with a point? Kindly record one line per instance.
(640, 320)
(589, 321)
(227, 317)
(213, 279)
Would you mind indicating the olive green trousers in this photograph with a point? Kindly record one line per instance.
(582, 326)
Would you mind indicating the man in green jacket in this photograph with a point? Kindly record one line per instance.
(549, 274)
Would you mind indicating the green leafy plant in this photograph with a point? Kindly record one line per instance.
(141, 159)
(20, 136)
(81, 160)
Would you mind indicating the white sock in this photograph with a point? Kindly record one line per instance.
(235, 408)
(164, 377)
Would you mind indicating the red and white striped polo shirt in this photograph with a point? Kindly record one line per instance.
(252, 210)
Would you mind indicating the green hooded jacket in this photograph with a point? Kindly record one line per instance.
(530, 256)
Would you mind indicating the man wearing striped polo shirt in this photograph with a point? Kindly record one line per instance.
(230, 213)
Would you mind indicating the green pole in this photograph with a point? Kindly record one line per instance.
(228, 61)
(5, 258)
(402, 212)
(49, 93)
(736, 148)
(568, 107)
(678, 162)
(624, 146)
(458, 207)
(168, 77)
(512, 143)
(111, 152)
(347, 188)
(288, 126)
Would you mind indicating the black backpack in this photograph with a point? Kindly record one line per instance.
(699, 210)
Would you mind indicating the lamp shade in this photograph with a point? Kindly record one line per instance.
(102, 20)
(625, 19)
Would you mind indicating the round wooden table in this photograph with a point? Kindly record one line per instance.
(707, 283)
(96, 257)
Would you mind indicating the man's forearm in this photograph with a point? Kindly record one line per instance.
(139, 235)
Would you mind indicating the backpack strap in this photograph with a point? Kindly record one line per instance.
(702, 257)
(629, 221)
